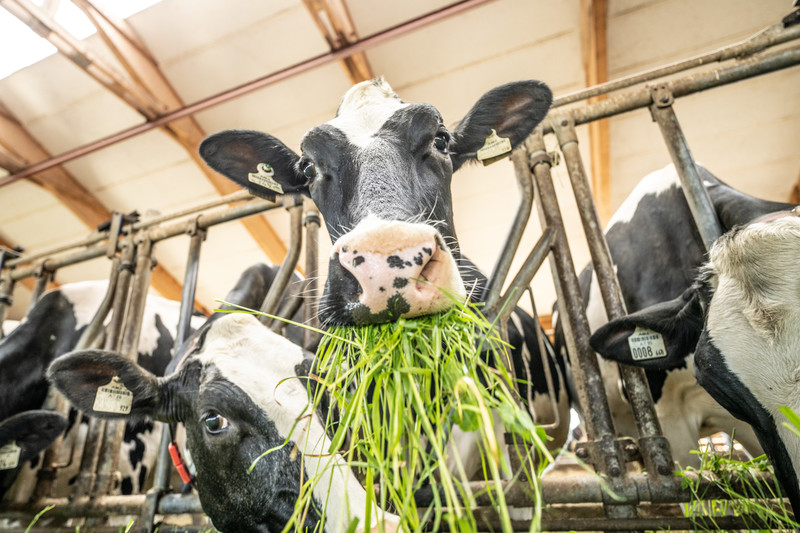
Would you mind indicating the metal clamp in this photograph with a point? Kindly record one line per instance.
(661, 95)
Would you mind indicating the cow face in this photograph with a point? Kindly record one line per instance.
(740, 319)
(239, 395)
(380, 173)
(22, 437)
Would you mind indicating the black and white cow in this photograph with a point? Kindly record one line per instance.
(380, 174)
(52, 328)
(240, 391)
(657, 252)
(740, 318)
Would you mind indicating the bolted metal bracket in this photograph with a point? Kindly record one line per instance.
(661, 95)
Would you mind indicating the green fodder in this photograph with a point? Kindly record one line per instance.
(753, 493)
(398, 391)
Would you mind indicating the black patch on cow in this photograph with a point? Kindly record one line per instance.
(142, 476)
(395, 261)
(133, 434)
(157, 361)
(418, 259)
(427, 250)
(357, 260)
(126, 485)
(396, 306)
(382, 289)
(399, 283)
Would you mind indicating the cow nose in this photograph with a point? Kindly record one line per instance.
(402, 264)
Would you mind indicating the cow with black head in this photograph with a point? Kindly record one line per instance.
(740, 320)
(380, 173)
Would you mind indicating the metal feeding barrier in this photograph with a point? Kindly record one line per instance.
(645, 500)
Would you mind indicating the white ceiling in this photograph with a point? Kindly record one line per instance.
(746, 133)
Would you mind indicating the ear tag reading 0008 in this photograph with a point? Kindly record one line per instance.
(646, 344)
(263, 177)
(113, 398)
(494, 149)
(9, 456)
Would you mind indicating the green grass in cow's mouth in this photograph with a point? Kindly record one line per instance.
(399, 390)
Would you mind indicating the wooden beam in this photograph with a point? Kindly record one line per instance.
(593, 23)
(334, 22)
(143, 87)
(20, 147)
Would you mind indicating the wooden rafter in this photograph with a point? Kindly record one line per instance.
(334, 22)
(20, 148)
(144, 87)
(593, 22)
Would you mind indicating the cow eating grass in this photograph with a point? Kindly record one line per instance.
(740, 318)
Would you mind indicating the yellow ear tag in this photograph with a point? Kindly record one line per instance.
(113, 397)
(494, 149)
(263, 177)
(9, 456)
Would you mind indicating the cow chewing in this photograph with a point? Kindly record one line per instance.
(380, 173)
(740, 318)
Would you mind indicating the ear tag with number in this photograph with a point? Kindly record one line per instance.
(494, 149)
(646, 344)
(9, 456)
(263, 177)
(113, 398)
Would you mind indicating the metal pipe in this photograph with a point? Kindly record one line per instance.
(770, 36)
(97, 427)
(233, 197)
(6, 295)
(115, 429)
(654, 447)
(524, 209)
(705, 217)
(701, 81)
(94, 327)
(241, 90)
(42, 279)
(522, 280)
(606, 452)
(273, 298)
(156, 234)
(312, 222)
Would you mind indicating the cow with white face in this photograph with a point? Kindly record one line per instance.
(240, 391)
(380, 174)
(740, 318)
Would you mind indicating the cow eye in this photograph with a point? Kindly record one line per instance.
(441, 141)
(215, 423)
(309, 170)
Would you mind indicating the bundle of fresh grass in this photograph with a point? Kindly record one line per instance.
(394, 396)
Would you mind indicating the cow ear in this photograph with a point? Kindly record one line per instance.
(32, 431)
(679, 323)
(256, 161)
(512, 110)
(107, 385)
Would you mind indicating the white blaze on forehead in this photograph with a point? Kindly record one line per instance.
(365, 109)
(259, 362)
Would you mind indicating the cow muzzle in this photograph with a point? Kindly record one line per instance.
(402, 269)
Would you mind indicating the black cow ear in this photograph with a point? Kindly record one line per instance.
(637, 339)
(256, 161)
(107, 385)
(32, 431)
(512, 110)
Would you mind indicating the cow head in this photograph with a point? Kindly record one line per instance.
(239, 395)
(380, 173)
(740, 319)
(22, 437)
